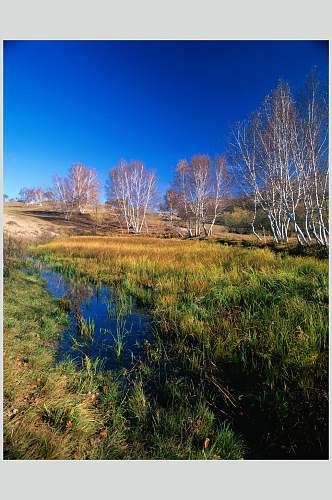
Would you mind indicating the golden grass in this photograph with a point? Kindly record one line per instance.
(156, 254)
(263, 314)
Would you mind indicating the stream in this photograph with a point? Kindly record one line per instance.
(104, 322)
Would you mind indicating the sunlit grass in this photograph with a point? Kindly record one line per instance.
(235, 301)
(239, 331)
(223, 308)
(56, 411)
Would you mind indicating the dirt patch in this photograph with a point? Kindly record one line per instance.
(26, 228)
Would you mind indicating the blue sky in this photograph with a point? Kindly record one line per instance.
(96, 102)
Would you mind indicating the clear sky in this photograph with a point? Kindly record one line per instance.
(96, 102)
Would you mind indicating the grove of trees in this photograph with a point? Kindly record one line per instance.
(34, 195)
(198, 192)
(131, 189)
(280, 156)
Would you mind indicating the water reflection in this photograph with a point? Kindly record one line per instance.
(105, 323)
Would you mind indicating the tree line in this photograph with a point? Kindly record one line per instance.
(277, 160)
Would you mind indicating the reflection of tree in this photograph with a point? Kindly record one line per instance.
(78, 292)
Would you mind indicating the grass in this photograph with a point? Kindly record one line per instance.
(241, 348)
(86, 327)
(57, 411)
(47, 410)
(237, 318)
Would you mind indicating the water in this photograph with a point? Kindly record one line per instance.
(121, 327)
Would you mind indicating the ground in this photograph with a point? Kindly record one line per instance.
(35, 223)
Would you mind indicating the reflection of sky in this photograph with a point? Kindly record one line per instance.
(92, 302)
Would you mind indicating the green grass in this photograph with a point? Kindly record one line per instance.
(56, 411)
(243, 318)
(241, 349)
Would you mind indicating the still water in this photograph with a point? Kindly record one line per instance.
(118, 328)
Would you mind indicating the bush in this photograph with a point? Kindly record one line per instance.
(238, 220)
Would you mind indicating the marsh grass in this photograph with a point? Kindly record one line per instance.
(57, 411)
(242, 317)
(120, 336)
(86, 327)
(43, 418)
(241, 348)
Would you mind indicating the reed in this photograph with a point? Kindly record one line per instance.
(86, 327)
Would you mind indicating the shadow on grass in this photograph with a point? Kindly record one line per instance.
(294, 249)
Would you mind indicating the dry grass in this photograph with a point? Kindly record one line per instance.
(35, 222)
(245, 328)
(154, 255)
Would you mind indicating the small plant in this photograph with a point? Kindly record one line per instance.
(92, 367)
(57, 417)
(119, 337)
(124, 304)
(225, 446)
(86, 327)
(110, 309)
(64, 304)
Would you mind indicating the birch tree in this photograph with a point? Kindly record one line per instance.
(62, 196)
(32, 195)
(77, 190)
(131, 189)
(39, 195)
(170, 204)
(220, 181)
(200, 187)
(313, 143)
(83, 186)
(26, 195)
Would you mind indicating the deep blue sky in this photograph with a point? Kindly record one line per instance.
(96, 102)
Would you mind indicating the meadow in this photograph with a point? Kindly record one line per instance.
(238, 367)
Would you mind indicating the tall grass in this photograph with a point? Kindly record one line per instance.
(56, 411)
(249, 324)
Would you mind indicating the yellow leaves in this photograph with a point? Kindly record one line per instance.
(92, 397)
